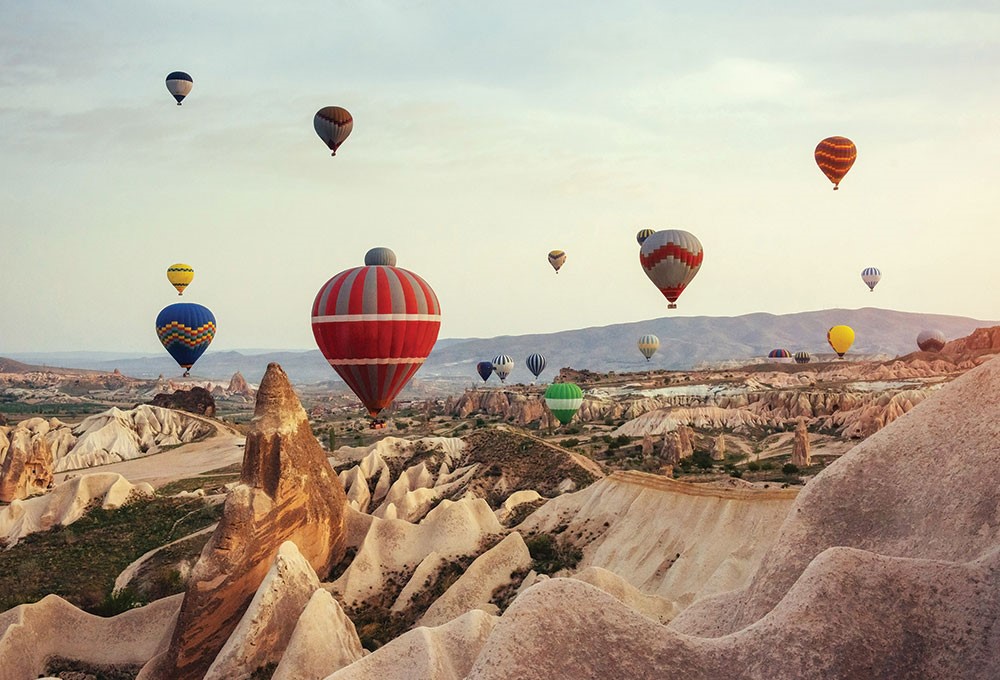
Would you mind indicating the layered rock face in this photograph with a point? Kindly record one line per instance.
(27, 465)
(238, 386)
(800, 446)
(196, 400)
(287, 492)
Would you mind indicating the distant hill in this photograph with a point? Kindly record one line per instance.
(685, 343)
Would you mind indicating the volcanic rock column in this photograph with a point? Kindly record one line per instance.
(287, 492)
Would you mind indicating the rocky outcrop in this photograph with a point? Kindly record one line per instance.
(670, 452)
(980, 341)
(287, 492)
(238, 386)
(27, 465)
(719, 448)
(66, 503)
(196, 400)
(324, 641)
(800, 446)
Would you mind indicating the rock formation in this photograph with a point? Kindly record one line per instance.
(239, 386)
(719, 448)
(324, 641)
(196, 400)
(27, 465)
(287, 492)
(647, 446)
(800, 447)
(686, 436)
(670, 452)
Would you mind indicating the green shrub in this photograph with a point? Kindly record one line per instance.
(702, 459)
(789, 468)
(549, 555)
(753, 466)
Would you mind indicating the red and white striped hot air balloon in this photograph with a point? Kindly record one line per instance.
(671, 258)
(376, 325)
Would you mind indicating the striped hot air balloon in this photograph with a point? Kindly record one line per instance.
(376, 325)
(382, 256)
(871, 276)
(535, 363)
(179, 84)
(840, 338)
(180, 276)
(779, 354)
(643, 235)
(333, 124)
(802, 357)
(648, 344)
(671, 258)
(563, 400)
(503, 364)
(185, 331)
(557, 258)
(931, 341)
(835, 156)
(484, 369)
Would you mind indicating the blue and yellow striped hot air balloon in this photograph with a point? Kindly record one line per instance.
(186, 330)
(648, 344)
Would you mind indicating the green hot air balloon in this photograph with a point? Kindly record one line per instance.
(564, 400)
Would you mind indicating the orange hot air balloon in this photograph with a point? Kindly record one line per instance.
(835, 156)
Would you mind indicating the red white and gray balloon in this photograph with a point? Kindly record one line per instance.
(931, 341)
(333, 124)
(671, 259)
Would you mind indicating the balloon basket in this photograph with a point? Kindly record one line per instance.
(671, 306)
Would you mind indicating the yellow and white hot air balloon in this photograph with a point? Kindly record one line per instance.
(180, 276)
(557, 258)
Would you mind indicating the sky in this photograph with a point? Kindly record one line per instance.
(486, 135)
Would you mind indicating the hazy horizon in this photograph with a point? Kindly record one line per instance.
(485, 137)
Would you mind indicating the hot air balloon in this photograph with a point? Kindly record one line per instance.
(840, 338)
(180, 276)
(557, 258)
(835, 156)
(535, 364)
(648, 344)
(179, 84)
(871, 276)
(382, 256)
(643, 235)
(931, 341)
(563, 400)
(333, 124)
(779, 354)
(671, 258)
(185, 330)
(802, 357)
(376, 325)
(503, 365)
(484, 369)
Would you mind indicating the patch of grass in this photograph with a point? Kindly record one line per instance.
(79, 562)
(549, 554)
(211, 483)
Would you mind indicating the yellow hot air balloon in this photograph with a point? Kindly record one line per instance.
(840, 338)
(557, 258)
(180, 275)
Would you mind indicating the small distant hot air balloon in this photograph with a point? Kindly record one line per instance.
(380, 256)
(931, 341)
(180, 276)
(484, 369)
(333, 124)
(563, 400)
(779, 354)
(502, 366)
(835, 156)
(643, 235)
(871, 276)
(671, 258)
(376, 325)
(185, 331)
(840, 338)
(179, 84)
(557, 258)
(802, 357)
(535, 364)
(648, 344)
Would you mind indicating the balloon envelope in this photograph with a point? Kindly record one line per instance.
(648, 344)
(376, 325)
(185, 331)
(931, 341)
(840, 338)
(779, 354)
(535, 364)
(671, 258)
(557, 258)
(179, 84)
(180, 276)
(643, 235)
(382, 256)
(333, 124)
(835, 156)
(503, 364)
(871, 276)
(484, 369)
(802, 357)
(563, 400)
